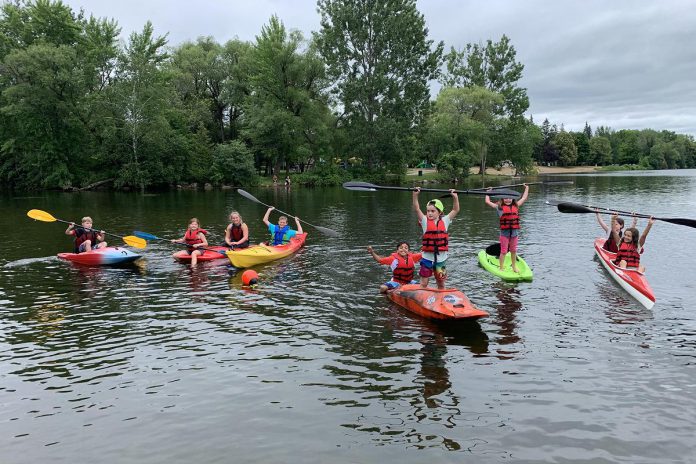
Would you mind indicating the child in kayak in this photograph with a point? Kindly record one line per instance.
(631, 245)
(86, 238)
(508, 212)
(402, 263)
(615, 232)
(194, 237)
(435, 237)
(237, 232)
(281, 233)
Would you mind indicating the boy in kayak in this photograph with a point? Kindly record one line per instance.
(86, 238)
(237, 232)
(194, 237)
(615, 232)
(281, 233)
(508, 212)
(435, 237)
(402, 263)
(631, 245)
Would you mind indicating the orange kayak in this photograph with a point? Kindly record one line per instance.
(433, 303)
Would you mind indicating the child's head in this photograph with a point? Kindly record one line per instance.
(235, 217)
(87, 221)
(618, 225)
(434, 209)
(282, 221)
(507, 201)
(402, 248)
(194, 224)
(631, 235)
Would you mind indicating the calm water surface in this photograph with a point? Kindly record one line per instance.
(160, 363)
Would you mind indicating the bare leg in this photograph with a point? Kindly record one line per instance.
(501, 260)
(383, 288)
(88, 245)
(513, 260)
(424, 281)
(194, 257)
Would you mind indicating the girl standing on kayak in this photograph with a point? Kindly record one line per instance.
(86, 239)
(237, 232)
(194, 237)
(615, 232)
(281, 233)
(402, 263)
(508, 212)
(435, 237)
(631, 245)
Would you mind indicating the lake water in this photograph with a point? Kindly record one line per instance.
(160, 363)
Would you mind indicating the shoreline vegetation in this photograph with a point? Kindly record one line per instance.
(81, 109)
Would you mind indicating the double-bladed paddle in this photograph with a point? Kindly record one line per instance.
(323, 230)
(367, 187)
(569, 207)
(494, 190)
(146, 236)
(131, 240)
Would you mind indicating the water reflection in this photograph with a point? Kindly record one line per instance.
(506, 314)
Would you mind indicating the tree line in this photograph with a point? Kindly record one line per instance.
(79, 108)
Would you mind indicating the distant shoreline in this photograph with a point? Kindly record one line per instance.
(508, 171)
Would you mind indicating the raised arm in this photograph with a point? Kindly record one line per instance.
(614, 234)
(265, 216)
(489, 202)
(635, 219)
(416, 206)
(601, 222)
(524, 195)
(299, 225)
(643, 236)
(455, 204)
(375, 256)
(69, 230)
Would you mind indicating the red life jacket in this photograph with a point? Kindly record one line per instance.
(629, 253)
(510, 219)
(236, 234)
(435, 237)
(191, 236)
(610, 245)
(83, 237)
(403, 272)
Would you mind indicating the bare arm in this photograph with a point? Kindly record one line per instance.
(416, 206)
(101, 235)
(375, 256)
(635, 220)
(614, 235)
(524, 195)
(245, 234)
(69, 230)
(265, 216)
(299, 225)
(455, 204)
(201, 237)
(644, 235)
(601, 222)
(489, 202)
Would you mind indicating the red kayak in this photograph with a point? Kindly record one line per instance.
(633, 281)
(210, 254)
(107, 256)
(433, 303)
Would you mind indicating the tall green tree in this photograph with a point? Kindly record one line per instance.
(568, 152)
(600, 150)
(379, 56)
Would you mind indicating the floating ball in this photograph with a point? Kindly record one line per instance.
(250, 277)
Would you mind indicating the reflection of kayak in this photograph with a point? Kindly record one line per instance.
(631, 280)
(209, 254)
(259, 254)
(489, 259)
(434, 303)
(107, 256)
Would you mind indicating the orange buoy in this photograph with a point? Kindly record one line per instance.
(250, 277)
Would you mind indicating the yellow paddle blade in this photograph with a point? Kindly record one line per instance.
(40, 215)
(134, 241)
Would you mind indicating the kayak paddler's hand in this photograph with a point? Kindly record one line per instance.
(651, 221)
(416, 190)
(453, 192)
(101, 232)
(271, 208)
(369, 249)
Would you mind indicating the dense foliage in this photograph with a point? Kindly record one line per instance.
(78, 109)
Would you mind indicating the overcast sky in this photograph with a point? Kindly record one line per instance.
(619, 63)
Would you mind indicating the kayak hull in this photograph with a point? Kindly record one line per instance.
(210, 254)
(433, 303)
(260, 254)
(631, 280)
(108, 256)
(492, 265)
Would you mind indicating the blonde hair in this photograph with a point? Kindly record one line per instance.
(283, 217)
(195, 220)
(86, 219)
(237, 213)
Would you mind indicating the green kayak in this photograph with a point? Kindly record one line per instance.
(491, 263)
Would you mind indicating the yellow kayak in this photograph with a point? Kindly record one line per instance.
(259, 254)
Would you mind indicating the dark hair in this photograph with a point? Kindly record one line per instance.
(403, 243)
(620, 221)
(635, 235)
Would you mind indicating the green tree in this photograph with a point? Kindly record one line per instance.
(233, 163)
(567, 151)
(381, 60)
(582, 142)
(600, 150)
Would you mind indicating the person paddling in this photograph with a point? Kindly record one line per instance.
(194, 237)
(615, 232)
(402, 263)
(86, 239)
(508, 212)
(435, 237)
(281, 233)
(237, 232)
(631, 246)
